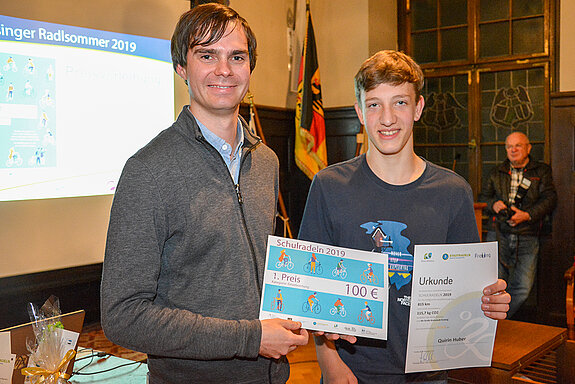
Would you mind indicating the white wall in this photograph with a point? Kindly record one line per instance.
(343, 44)
(346, 32)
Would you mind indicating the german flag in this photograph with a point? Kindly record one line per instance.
(310, 149)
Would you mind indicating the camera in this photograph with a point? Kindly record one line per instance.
(506, 213)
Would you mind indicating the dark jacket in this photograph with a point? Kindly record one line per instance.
(539, 201)
(185, 259)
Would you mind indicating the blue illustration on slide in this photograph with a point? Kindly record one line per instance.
(325, 306)
(386, 237)
(28, 111)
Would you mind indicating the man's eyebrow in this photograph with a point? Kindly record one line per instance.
(240, 52)
(202, 50)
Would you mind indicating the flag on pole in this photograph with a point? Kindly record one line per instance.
(310, 148)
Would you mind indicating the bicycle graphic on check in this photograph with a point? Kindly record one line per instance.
(313, 266)
(311, 304)
(365, 315)
(334, 311)
(277, 303)
(284, 261)
(287, 264)
(368, 276)
(339, 271)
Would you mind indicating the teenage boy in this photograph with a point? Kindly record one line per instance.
(389, 189)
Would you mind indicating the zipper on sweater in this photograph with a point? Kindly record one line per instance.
(249, 237)
(241, 206)
(239, 194)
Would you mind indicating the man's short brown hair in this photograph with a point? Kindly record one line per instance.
(387, 67)
(204, 25)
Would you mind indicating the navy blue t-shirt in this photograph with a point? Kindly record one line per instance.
(349, 206)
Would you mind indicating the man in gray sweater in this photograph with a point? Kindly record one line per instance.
(187, 237)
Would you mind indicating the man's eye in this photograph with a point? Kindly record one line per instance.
(402, 102)
(238, 58)
(372, 105)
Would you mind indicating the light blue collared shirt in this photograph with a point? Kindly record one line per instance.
(225, 150)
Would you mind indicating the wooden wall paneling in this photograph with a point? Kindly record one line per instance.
(342, 126)
(563, 163)
(77, 288)
(278, 125)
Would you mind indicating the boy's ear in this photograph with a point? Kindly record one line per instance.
(359, 112)
(419, 108)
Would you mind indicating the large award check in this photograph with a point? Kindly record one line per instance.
(327, 288)
(447, 328)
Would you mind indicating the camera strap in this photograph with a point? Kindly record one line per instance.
(519, 185)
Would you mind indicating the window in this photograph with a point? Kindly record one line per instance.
(487, 65)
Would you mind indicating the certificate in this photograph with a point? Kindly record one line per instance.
(447, 328)
(327, 288)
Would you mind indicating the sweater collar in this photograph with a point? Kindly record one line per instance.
(191, 130)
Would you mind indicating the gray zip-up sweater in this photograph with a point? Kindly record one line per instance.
(185, 256)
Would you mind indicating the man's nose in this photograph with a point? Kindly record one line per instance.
(223, 68)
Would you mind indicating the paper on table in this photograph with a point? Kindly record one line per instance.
(7, 358)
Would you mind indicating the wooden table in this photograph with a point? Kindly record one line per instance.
(517, 344)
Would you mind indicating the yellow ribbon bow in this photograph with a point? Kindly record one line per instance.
(46, 374)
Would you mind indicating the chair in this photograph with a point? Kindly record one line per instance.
(570, 310)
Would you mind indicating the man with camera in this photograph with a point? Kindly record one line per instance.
(519, 194)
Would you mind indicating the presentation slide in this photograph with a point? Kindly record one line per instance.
(75, 103)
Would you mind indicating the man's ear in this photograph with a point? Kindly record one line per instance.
(359, 112)
(181, 71)
(419, 108)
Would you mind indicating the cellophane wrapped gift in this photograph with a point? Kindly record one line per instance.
(49, 356)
